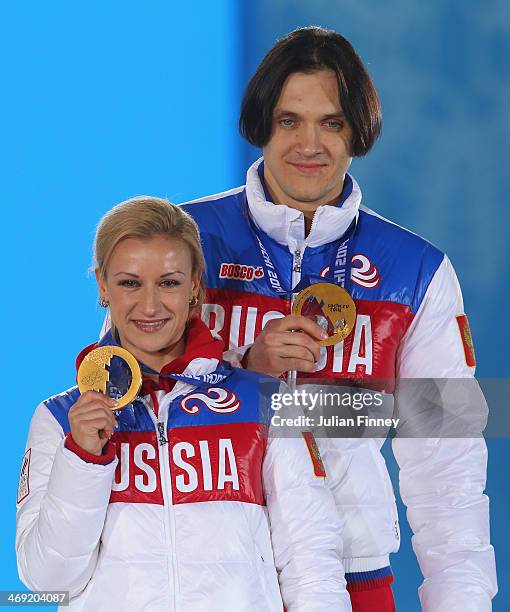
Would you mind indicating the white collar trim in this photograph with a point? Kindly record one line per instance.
(286, 225)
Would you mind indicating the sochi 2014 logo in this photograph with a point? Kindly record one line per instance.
(364, 274)
(240, 272)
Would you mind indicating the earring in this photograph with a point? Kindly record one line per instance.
(193, 301)
(103, 303)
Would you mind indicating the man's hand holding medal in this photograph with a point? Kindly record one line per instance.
(323, 313)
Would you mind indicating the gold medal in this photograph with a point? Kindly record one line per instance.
(93, 373)
(331, 307)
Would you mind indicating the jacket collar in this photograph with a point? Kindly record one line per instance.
(286, 225)
(202, 354)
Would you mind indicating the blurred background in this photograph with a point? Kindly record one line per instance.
(102, 101)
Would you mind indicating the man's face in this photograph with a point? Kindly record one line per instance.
(306, 159)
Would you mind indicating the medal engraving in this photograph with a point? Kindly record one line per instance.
(331, 307)
(93, 373)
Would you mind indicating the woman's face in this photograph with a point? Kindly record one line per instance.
(149, 284)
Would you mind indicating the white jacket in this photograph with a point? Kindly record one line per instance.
(205, 514)
(410, 325)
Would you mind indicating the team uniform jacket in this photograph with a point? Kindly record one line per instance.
(197, 510)
(410, 325)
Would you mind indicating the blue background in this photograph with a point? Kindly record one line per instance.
(105, 100)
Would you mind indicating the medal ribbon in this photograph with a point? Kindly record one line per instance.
(339, 270)
(202, 381)
(126, 415)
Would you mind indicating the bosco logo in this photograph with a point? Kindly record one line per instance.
(240, 272)
(215, 399)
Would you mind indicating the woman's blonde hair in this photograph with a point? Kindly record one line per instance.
(145, 217)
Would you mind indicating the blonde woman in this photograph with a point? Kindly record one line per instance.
(179, 501)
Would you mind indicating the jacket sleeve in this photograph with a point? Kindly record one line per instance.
(442, 478)
(235, 356)
(305, 527)
(61, 516)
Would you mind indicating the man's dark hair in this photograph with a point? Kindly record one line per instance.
(309, 50)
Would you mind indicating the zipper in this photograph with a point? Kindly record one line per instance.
(166, 485)
(161, 434)
(314, 222)
(297, 261)
(296, 277)
(298, 257)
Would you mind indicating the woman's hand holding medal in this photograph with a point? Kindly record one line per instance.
(92, 421)
(278, 348)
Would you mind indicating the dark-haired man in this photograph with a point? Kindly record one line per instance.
(311, 107)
